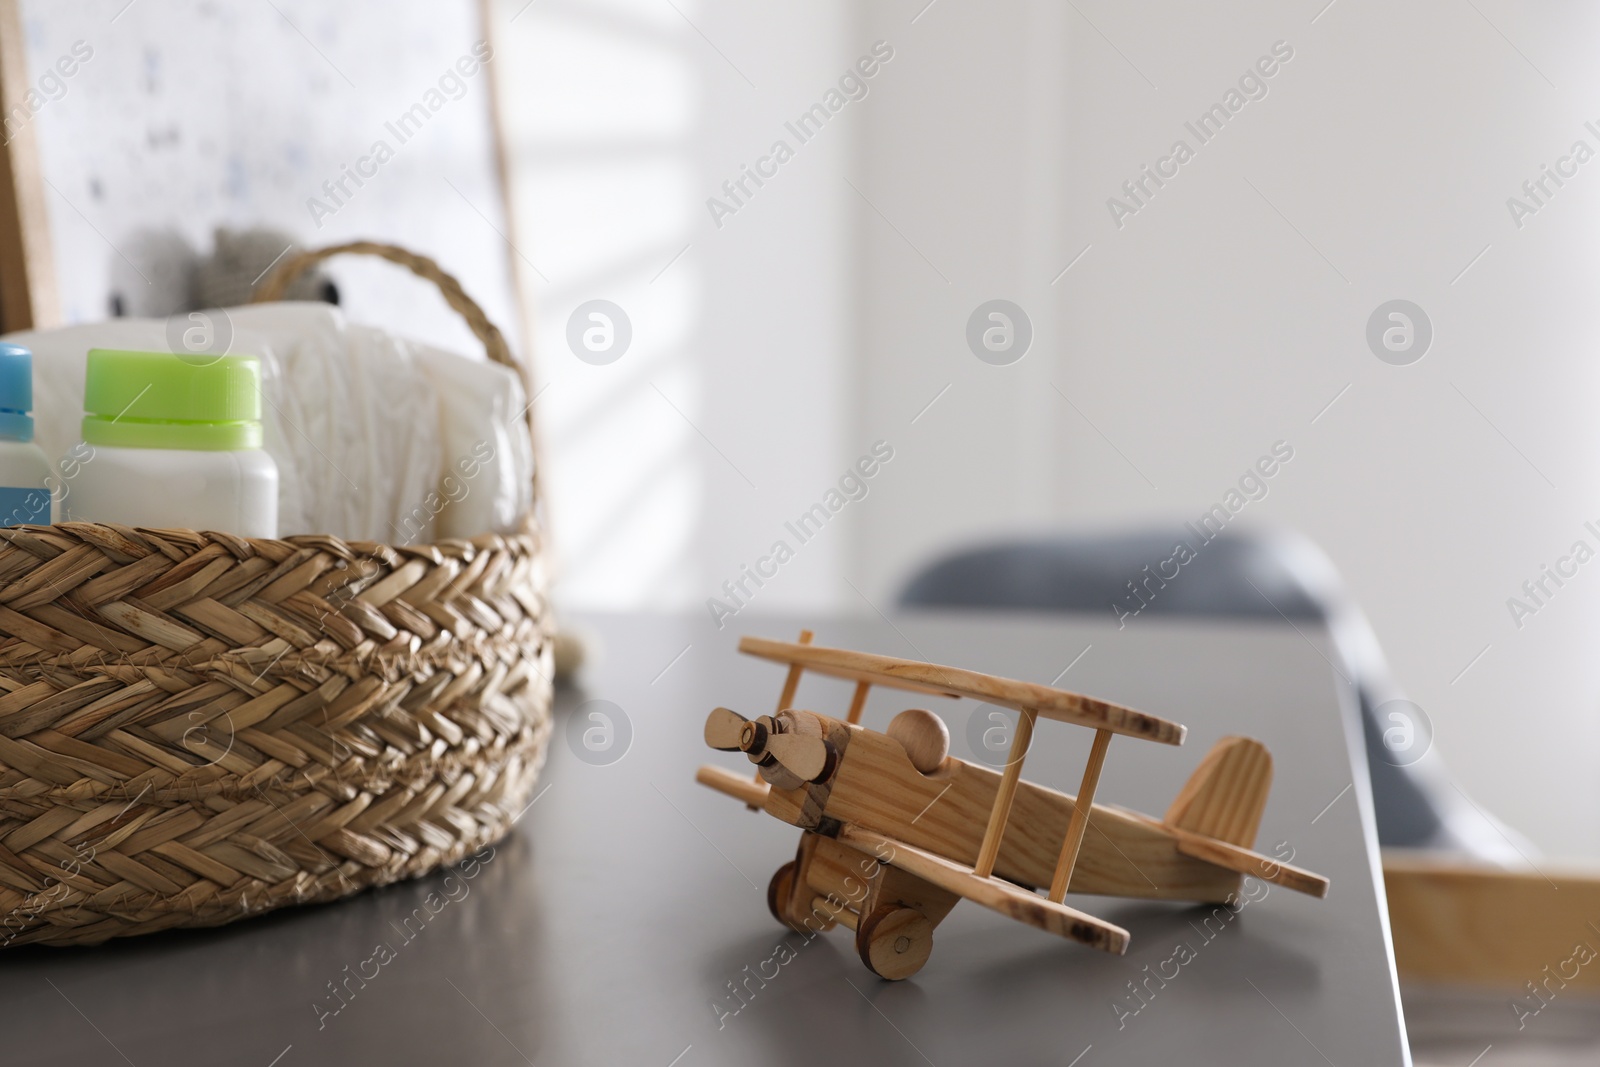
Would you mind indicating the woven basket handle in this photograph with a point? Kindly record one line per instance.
(494, 342)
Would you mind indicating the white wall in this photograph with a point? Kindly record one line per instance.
(1222, 317)
(1206, 328)
(673, 468)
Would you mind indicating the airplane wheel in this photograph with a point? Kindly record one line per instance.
(778, 891)
(894, 942)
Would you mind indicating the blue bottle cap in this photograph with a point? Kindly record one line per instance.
(16, 393)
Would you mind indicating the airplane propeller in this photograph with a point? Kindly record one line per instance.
(805, 757)
(723, 729)
(808, 758)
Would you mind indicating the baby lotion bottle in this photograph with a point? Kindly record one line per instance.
(24, 472)
(173, 441)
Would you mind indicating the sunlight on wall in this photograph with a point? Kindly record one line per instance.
(600, 105)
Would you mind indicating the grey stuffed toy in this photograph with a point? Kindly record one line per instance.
(159, 274)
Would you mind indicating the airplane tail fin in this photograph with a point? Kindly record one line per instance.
(1226, 794)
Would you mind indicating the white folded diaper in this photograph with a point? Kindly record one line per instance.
(488, 451)
(376, 438)
(359, 422)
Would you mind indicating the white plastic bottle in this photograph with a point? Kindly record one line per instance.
(173, 441)
(24, 472)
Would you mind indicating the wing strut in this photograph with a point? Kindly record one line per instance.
(1082, 808)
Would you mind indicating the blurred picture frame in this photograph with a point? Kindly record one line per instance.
(110, 199)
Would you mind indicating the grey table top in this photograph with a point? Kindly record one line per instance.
(608, 926)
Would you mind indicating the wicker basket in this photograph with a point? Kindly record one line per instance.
(197, 727)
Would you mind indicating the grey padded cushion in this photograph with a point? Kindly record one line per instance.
(1239, 574)
(1090, 572)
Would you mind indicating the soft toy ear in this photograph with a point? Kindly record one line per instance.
(227, 278)
(152, 275)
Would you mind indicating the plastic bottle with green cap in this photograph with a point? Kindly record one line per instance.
(24, 472)
(174, 441)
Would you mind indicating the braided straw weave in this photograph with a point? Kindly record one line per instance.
(197, 727)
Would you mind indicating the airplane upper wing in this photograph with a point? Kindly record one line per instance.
(920, 677)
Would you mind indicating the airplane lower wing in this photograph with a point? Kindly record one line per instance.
(738, 786)
(1010, 900)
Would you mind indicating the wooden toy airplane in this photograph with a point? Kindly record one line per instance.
(897, 830)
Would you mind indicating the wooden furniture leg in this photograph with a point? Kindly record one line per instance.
(1464, 923)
